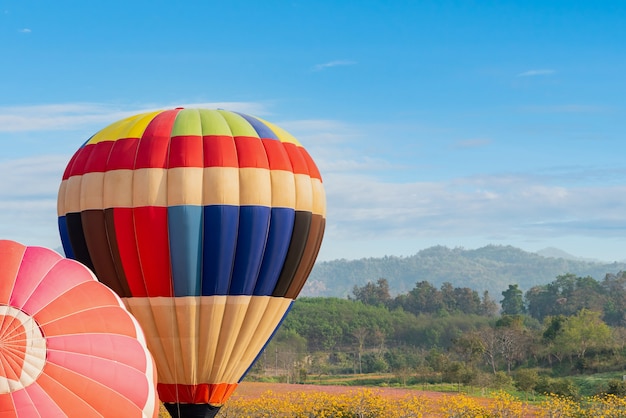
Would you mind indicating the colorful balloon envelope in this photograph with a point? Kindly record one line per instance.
(68, 346)
(207, 224)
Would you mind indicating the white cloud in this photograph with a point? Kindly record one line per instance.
(472, 143)
(532, 73)
(566, 108)
(337, 63)
(28, 194)
(361, 207)
(72, 116)
(25, 30)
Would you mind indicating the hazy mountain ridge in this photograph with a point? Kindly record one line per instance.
(490, 268)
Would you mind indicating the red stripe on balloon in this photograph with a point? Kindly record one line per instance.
(153, 247)
(212, 393)
(154, 143)
(251, 153)
(219, 151)
(97, 161)
(123, 221)
(276, 155)
(70, 166)
(186, 151)
(314, 172)
(82, 155)
(123, 153)
(297, 159)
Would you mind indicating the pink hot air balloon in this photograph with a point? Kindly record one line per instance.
(68, 346)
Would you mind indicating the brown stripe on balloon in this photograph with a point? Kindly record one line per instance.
(115, 253)
(316, 233)
(94, 228)
(77, 238)
(299, 237)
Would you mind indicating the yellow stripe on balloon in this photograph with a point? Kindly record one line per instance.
(131, 127)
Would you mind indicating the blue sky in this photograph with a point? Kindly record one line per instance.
(433, 122)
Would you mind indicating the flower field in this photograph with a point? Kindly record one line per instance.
(275, 400)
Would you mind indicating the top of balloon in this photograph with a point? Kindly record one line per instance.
(196, 122)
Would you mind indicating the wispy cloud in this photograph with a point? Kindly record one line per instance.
(28, 199)
(364, 208)
(25, 30)
(472, 143)
(533, 73)
(337, 63)
(72, 116)
(566, 108)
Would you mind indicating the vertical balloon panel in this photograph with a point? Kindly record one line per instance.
(207, 223)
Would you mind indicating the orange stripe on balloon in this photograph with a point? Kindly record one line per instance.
(80, 396)
(78, 298)
(11, 255)
(108, 319)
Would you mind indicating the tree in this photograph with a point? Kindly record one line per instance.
(582, 332)
(488, 306)
(526, 380)
(615, 304)
(373, 294)
(513, 302)
(467, 300)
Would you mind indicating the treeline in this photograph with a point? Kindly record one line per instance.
(573, 325)
(490, 268)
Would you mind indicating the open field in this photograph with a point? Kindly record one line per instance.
(435, 401)
(282, 400)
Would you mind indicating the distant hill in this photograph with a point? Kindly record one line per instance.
(490, 268)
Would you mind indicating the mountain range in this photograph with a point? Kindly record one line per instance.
(492, 268)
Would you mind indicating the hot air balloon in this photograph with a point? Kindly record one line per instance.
(68, 346)
(207, 224)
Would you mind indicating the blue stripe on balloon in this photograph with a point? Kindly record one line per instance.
(65, 238)
(221, 224)
(185, 240)
(254, 224)
(267, 342)
(261, 129)
(279, 237)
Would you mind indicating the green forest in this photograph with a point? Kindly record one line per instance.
(566, 337)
